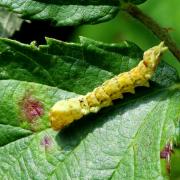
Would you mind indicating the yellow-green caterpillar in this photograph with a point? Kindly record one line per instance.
(66, 111)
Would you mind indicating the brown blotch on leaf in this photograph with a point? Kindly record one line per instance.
(166, 154)
(31, 108)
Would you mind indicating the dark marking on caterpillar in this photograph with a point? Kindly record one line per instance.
(65, 112)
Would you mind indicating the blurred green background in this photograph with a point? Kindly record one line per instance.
(124, 27)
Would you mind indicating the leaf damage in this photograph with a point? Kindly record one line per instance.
(46, 142)
(31, 110)
(166, 153)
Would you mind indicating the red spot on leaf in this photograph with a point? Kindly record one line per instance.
(32, 108)
(46, 142)
(167, 151)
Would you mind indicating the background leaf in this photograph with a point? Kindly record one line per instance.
(9, 23)
(71, 66)
(67, 12)
(120, 142)
(123, 27)
(68, 66)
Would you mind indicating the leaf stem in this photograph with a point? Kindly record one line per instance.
(160, 32)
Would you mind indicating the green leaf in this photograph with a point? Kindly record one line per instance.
(9, 23)
(66, 65)
(175, 174)
(67, 12)
(120, 142)
(25, 105)
(125, 138)
(69, 66)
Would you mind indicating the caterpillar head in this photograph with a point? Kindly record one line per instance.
(65, 112)
(152, 56)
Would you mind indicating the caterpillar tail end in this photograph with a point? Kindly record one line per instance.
(156, 51)
(162, 47)
(152, 57)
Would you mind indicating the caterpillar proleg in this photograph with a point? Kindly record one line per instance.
(66, 111)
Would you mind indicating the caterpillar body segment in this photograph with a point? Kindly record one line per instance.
(65, 112)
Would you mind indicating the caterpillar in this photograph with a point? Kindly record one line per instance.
(66, 111)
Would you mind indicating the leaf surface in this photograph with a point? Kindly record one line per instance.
(120, 142)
